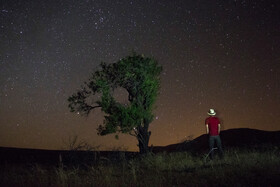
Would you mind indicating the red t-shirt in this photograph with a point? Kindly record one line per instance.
(213, 125)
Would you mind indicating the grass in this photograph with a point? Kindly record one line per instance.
(239, 167)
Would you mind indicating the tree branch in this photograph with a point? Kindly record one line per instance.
(93, 107)
(130, 133)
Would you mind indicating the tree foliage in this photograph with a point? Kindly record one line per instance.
(140, 77)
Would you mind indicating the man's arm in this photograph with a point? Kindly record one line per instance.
(207, 129)
(219, 128)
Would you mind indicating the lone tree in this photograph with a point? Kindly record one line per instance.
(140, 77)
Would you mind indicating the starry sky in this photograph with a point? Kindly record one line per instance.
(215, 54)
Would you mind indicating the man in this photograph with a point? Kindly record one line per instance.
(213, 127)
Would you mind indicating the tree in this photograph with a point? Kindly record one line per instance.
(140, 77)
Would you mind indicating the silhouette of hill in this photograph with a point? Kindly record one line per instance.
(55, 157)
(241, 137)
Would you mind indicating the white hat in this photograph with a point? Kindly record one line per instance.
(211, 112)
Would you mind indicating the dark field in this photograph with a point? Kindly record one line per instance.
(257, 164)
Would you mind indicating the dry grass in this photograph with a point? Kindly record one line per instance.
(237, 168)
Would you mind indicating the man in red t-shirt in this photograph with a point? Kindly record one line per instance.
(213, 127)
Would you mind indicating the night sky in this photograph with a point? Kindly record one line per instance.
(215, 54)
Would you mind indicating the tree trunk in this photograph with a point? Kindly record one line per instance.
(143, 137)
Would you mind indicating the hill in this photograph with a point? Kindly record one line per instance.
(56, 157)
(241, 137)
